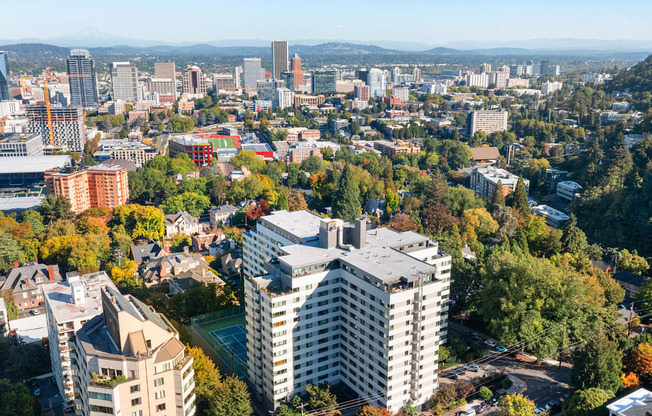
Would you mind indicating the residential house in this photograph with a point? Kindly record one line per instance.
(25, 280)
(224, 246)
(223, 215)
(631, 282)
(202, 242)
(179, 271)
(181, 223)
(146, 252)
(637, 403)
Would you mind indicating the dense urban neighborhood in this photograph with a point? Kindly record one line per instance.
(335, 229)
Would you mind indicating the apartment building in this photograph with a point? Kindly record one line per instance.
(68, 306)
(568, 190)
(396, 148)
(67, 126)
(127, 358)
(125, 149)
(484, 181)
(553, 217)
(96, 186)
(488, 121)
(194, 82)
(124, 81)
(21, 144)
(333, 302)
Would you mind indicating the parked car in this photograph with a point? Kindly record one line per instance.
(460, 371)
(35, 312)
(540, 411)
(472, 367)
(501, 348)
(475, 336)
(483, 408)
(469, 412)
(551, 404)
(490, 343)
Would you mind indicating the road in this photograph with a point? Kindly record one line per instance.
(162, 144)
(545, 381)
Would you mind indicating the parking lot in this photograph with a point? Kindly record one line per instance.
(544, 382)
(48, 395)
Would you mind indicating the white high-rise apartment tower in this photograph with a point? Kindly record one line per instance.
(280, 58)
(337, 303)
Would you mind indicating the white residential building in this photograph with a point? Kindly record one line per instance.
(377, 83)
(477, 80)
(488, 121)
(484, 181)
(402, 93)
(568, 190)
(434, 87)
(553, 217)
(550, 87)
(337, 303)
(284, 98)
(68, 306)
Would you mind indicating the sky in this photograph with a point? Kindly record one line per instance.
(432, 22)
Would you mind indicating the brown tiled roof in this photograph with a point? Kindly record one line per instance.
(484, 153)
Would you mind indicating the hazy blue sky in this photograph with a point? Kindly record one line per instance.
(427, 21)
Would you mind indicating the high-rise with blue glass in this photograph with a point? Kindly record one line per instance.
(4, 77)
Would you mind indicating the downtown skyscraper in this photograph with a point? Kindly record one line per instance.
(253, 72)
(4, 77)
(280, 58)
(82, 80)
(124, 81)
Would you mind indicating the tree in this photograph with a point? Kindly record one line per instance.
(586, 402)
(127, 271)
(369, 410)
(498, 198)
(408, 410)
(35, 220)
(645, 294)
(597, 365)
(231, 398)
(321, 397)
(485, 393)
(402, 222)
(15, 399)
(629, 380)
(54, 208)
(296, 201)
(639, 361)
(437, 218)
(248, 159)
(515, 405)
(9, 253)
(191, 202)
(392, 200)
(632, 262)
(346, 199)
(207, 376)
(140, 221)
(520, 198)
(574, 239)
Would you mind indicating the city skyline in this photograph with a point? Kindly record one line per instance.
(504, 21)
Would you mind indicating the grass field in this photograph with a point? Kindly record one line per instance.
(223, 143)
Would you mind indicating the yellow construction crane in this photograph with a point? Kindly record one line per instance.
(46, 96)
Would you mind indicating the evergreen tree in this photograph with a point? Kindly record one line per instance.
(520, 198)
(574, 239)
(498, 198)
(346, 199)
(436, 189)
(598, 365)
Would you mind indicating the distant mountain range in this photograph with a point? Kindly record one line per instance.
(40, 50)
(91, 37)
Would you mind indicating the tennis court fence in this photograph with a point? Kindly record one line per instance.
(226, 356)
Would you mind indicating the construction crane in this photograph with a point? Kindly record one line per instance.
(46, 96)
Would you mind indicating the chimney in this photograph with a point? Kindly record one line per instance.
(164, 269)
(16, 264)
(186, 249)
(51, 273)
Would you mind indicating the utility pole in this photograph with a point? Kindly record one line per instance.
(301, 406)
(561, 347)
(629, 322)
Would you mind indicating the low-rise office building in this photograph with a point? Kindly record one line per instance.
(21, 144)
(396, 148)
(198, 149)
(328, 302)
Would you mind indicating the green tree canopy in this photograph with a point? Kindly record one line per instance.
(346, 199)
(587, 402)
(598, 365)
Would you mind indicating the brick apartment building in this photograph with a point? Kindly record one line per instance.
(104, 186)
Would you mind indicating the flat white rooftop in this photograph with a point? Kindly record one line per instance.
(301, 224)
(30, 164)
(59, 296)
